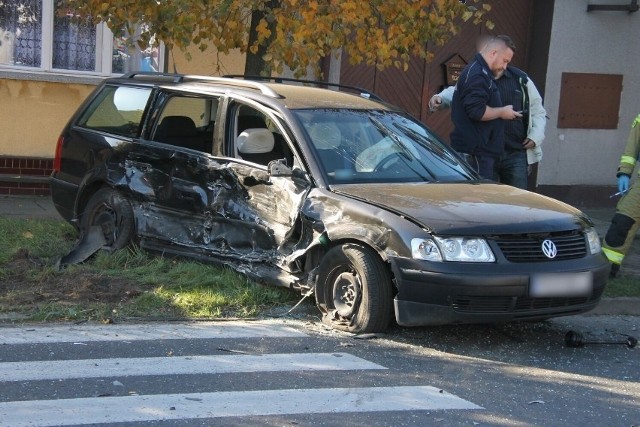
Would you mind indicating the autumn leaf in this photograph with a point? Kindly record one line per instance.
(291, 33)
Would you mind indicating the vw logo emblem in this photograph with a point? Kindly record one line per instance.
(549, 249)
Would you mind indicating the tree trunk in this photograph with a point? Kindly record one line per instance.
(255, 65)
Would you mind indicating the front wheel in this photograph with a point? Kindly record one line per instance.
(112, 212)
(353, 289)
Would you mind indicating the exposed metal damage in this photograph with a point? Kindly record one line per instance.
(240, 215)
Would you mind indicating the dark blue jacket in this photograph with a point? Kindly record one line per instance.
(475, 90)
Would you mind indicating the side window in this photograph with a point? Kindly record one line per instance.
(117, 110)
(187, 122)
(258, 139)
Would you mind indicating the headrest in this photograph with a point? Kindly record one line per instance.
(178, 126)
(325, 136)
(255, 141)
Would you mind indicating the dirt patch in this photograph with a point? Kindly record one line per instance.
(28, 283)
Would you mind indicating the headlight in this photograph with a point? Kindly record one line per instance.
(459, 249)
(594, 240)
(425, 249)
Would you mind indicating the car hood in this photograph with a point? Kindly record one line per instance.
(470, 208)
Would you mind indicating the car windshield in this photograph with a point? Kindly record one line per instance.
(359, 146)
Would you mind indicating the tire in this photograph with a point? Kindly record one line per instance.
(353, 289)
(113, 213)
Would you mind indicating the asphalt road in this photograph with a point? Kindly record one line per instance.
(299, 372)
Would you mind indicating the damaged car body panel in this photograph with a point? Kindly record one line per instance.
(218, 207)
(207, 200)
(223, 210)
(319, 191)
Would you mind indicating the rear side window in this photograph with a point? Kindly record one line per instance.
(187, 121)
(116, 110)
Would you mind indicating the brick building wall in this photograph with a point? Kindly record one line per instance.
(25, 176)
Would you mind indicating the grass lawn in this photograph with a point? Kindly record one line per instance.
(124, 284)
(135, 284)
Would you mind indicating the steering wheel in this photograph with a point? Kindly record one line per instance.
(387, 162)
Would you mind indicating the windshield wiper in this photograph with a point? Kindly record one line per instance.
(406, 153)
(428, 143)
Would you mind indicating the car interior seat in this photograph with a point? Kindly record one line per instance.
(257, 145)
(280, 150)
(180, 131)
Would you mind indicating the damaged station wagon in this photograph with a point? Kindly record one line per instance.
(321, 191)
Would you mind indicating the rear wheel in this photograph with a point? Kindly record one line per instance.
(112, 212)
(353, 289)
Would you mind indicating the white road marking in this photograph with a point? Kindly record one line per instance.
(134, 408)
(131, 409)
(138, 332)
(180, 365)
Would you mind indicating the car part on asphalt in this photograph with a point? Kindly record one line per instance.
(576, 339)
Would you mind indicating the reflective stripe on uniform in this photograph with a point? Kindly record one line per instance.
(613, 256)
(628, 159)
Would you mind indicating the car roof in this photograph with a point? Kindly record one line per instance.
(296, 96)
(293, 94)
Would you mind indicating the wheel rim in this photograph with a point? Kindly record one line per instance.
(346, 294)
(107, 219)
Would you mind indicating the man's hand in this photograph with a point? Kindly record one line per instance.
(435, 103)
(528, 143)
(508, 113)
(505, 113)
(623, 183)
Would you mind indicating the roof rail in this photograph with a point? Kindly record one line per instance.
(363, 92)
(177, 78)
(264, 89)
(151, 74)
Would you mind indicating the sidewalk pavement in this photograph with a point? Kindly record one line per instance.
(41, 207)
(36, 207)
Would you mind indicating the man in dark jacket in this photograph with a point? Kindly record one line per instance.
(477, 110)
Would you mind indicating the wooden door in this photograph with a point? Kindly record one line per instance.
(412, 89)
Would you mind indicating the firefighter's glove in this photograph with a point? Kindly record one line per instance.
(623, 183)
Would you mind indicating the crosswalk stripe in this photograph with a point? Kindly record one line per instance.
(180, 365)
(205, 403)
(138, 332)
(129, 409)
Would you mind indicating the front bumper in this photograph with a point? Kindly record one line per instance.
(446, 293)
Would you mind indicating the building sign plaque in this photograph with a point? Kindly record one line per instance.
(452, 68)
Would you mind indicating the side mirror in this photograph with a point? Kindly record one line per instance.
(279, 168)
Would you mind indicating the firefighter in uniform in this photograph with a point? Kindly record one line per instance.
(624, 224)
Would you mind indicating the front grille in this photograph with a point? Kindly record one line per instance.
(474, 304)
(528, 248)
(483, 304)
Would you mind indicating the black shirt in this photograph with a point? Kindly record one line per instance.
(511, 94)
